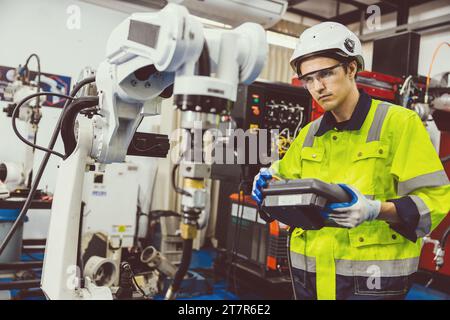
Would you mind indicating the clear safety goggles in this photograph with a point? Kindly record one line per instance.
(322, 75)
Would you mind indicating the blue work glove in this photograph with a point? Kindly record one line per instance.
(259, 182)
(353, 213)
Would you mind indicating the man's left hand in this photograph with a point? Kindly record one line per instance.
(356, 211)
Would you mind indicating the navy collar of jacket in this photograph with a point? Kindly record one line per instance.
(356, 120)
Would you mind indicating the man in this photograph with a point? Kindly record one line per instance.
(382, 155)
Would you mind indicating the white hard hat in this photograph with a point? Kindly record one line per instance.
(328, 37)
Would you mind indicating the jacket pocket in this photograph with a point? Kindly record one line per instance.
(381, 286)
(312, 160)
(368, 164)
(376, 270)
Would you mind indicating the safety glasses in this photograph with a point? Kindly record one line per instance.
(322, 75)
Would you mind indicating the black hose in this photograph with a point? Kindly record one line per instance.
(156, 214)
(80, 261)
(182, 269)
(41, 169)
(39, 68)
(444, 237)
(38, 60)
(68, 122)
(16, 113)
(174, 183)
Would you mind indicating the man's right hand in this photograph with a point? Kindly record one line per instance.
(260, 182)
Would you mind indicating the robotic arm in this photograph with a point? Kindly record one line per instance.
(149, 52)
(146, 55)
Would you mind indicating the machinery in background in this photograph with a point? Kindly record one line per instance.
(18, 176)
(435, 258)
(430, 98)
(279, 109)
(404, 62)
(249, 247)
(113, 235)
(254, 253)
(107, 212)
(146, 54)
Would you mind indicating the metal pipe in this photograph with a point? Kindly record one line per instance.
(22, 265)
(20, 284)
(154, 259)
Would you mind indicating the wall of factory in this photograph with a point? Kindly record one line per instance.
(429, 40)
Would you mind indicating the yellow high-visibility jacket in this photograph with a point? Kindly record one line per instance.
(385, 152)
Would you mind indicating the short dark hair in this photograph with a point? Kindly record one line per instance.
(346, 63)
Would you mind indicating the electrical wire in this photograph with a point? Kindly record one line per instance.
(240, 216)
(38, 60)
(174, 183)
(16, 112)
(288, 245)
(133, 277)
(431, 66)
(231, 275)
(41, 169)
(299, 124)
(231, 254)
(157, 214)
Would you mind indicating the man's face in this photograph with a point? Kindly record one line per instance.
(328, 86)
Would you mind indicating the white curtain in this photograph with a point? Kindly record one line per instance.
(277, 66)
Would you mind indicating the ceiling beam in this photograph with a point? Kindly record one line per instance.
(392, 3)
(292, 3)
(438, 23)
(386, 7)
(354, 3)
(288, 28)
(307, 14)
(355, 16)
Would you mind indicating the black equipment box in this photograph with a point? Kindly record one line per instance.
(300, 203)
(404, 62)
